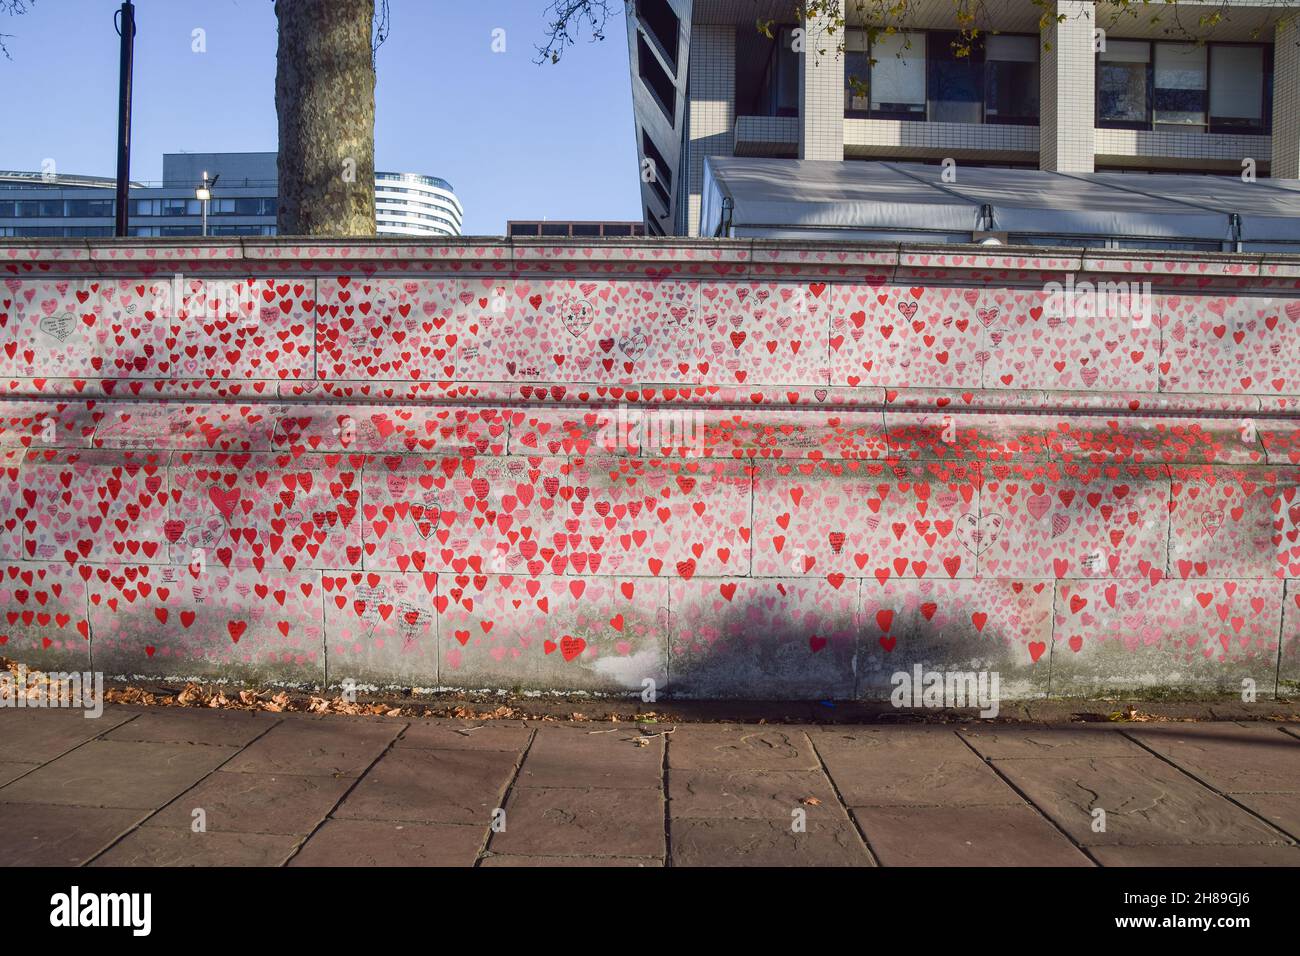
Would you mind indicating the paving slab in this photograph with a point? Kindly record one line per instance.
(12, 771)
(1099, 740)
(1280, 809)
(1259, 854)
(106, 773)
(906, 766)
(162, 846)
(465, 735)
(1145, 799)
(376, 843)
(741, 748)
(504, 860)
(1231, 758)
(563, 756)
(746, 794)
(233, 728)
(35, 736)
(766, 843)
(590, 822)
(44, 835)
(331, 749)
(965, 836)
(255, 803)
(432, 786)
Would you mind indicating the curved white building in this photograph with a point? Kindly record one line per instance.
(409, 204)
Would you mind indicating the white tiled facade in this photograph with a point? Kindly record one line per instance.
(821, 90)
(876, 138)
(712, 105)
(1286, 102)
(1067, 89)
(718, 117)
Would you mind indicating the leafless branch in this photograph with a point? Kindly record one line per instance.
(566, 20)
(13, 8)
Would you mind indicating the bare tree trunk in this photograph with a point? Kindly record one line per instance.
(325, 100)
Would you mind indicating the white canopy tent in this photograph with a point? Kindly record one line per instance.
(790, 198)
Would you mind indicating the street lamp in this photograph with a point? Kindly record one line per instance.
(204, 194)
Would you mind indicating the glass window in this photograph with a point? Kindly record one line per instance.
(89, 207)
(1122, 82)
(1237, 87)
(898, 74)
(857, 70)
(785, 81)
(1180, 82)
(955, 72)
(1011, 79)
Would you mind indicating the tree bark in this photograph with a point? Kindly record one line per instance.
(325, 102)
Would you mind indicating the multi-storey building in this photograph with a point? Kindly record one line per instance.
(243, 201)
(574, 228)
(1094, 88)
(408, 204)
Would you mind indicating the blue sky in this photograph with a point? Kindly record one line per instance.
(516, 140)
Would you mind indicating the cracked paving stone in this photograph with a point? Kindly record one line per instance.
(208, 726)
(339, 749)
(378, 843)
(760, 795)
(45, 835)
(432, 786)
(1230, 758)
(766, 843)
(496, 860)
(1280, 809)
(162, 846)
(1089, 740)
(107, 773)
(465, 735)
(574, 757)
(906, 766)
(593, 822)
(965, 836)
(37, 736)
(741, 748)
(12, 771)
(255, 803)
(1145, 799)
(1259, 854)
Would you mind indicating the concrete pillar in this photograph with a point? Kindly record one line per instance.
(1286, 102)
(1068, 89)
(712, 110)
(821, 90)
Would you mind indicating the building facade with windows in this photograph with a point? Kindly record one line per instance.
(577, 228)
(1099, 88)
(244, 201)
(409, 204)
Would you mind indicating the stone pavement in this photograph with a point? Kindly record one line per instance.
(298, 790)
